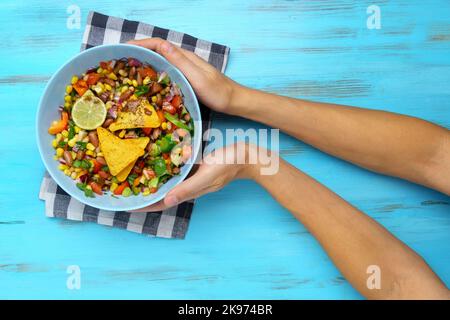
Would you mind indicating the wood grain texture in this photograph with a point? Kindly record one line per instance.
(241, 243)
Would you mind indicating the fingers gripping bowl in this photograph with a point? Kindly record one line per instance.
(118, 126)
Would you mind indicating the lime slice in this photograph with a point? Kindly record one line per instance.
(89, 112)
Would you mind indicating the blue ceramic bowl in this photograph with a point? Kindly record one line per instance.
(54, 96)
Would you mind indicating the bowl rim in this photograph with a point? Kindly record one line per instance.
(198, 128)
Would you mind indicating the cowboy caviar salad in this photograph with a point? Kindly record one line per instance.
(123, 129)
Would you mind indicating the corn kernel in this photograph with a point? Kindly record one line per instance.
(62, 167)
(58, 136)
(123, 73)
(135, 83)
(77, 129)
(65, 133)
(129, 82)
(67, 98)
(124, 88)
(89, 187)
(98, 89)
(122, 134)
(90, 146)
(54, 143)
(108, 87)
(99, 70)
(99, 154)
(66, 140)
(69, 89)
(78, 170)
(67, 104)
(113, 186)
(146, 192)
(90, 153)
(73, 154)
(146, 80)
(59, 152)
(133, 97)
(154, 99)
(72, 142)
(67, 172)
(73, 175)
(164, 125)
(74, 80)
(112, 76)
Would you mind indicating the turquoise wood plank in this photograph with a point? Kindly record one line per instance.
(240, 244)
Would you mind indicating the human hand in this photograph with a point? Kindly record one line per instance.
(212, 88)
(216, 170)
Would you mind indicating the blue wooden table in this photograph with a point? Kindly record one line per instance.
(241, 243)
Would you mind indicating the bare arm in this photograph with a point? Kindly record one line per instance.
(353, 240)
(393, 144)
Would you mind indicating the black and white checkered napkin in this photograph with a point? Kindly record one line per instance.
(171, 223)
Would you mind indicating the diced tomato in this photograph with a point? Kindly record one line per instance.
(60, 125)
(169, 108)
(96, 188)
(93, 78)
(166, 156)
(81, 87)
(121, 187)
(97, 166)
(147, 72)
(176, 101)
(153, 190)
(147, 131)
(103, 174)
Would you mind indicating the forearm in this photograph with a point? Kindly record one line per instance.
(385, 142)
(352, 240)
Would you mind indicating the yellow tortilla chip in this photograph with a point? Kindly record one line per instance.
(117, 152)
(144, 116)
(141, 143)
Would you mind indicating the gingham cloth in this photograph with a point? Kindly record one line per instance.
(171, 223)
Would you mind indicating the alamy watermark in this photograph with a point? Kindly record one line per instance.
(74, 19)
(374, 279)
(374, 19)
(245, 150)
(73, 281)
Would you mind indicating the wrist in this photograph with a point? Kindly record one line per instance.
(239, 104)
(250, 169)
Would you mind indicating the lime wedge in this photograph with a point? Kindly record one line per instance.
(89, 112)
